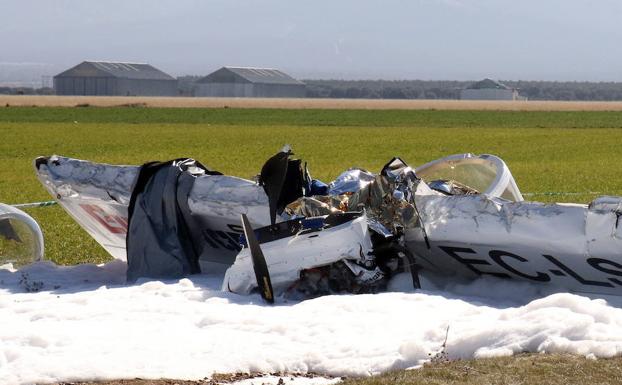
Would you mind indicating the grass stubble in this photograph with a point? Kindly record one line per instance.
(554, 156)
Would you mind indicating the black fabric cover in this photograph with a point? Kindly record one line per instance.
(284, 180)
(159, 241)
(272, 178)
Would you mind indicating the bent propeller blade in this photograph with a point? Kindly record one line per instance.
(259, 262)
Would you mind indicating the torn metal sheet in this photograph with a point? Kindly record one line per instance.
(316, 206)
(576, 247)
(97, 196)
(287, 257)
(379, 228)
(389, 198)
(350, 181)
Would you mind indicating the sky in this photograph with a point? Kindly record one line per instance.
(339, 39)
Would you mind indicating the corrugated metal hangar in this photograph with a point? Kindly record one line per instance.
(121, 79)
(249, 82)
(489, 89)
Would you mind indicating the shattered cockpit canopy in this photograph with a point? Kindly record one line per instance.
(21, 240)
(486, 174)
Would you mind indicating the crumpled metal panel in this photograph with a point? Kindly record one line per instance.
(350, 181)
(67, 177)
(287, 257)
(316, 206)
(569, 246)
(97, 195)
(390, 202)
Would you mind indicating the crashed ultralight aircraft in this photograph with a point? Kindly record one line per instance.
(458, 217)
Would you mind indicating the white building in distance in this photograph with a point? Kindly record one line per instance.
(489, 89)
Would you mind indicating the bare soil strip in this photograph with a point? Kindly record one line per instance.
(522, 369)
(303, 103)
(216, 379)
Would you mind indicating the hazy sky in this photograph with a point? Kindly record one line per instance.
(391, 39)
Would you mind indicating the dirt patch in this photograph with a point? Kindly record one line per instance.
(139, 381)
(216, 379)
(303, 103)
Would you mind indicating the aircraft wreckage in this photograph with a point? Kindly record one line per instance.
(458, 218)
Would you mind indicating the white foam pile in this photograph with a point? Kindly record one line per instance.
(84, 323)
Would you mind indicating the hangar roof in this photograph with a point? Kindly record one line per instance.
(249, 75)
(116, 69)
(488, 84)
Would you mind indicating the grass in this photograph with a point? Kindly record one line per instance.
(550, 161)
(316, 117)
(526, 369)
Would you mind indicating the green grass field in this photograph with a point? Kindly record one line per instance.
(554, 156)
(524, 369)
(563, 156)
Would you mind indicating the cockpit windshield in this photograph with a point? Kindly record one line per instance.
(21, 241)
(469, 174)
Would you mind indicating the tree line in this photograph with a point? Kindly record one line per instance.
(413, 89)
(435, 89)
(26, 91)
